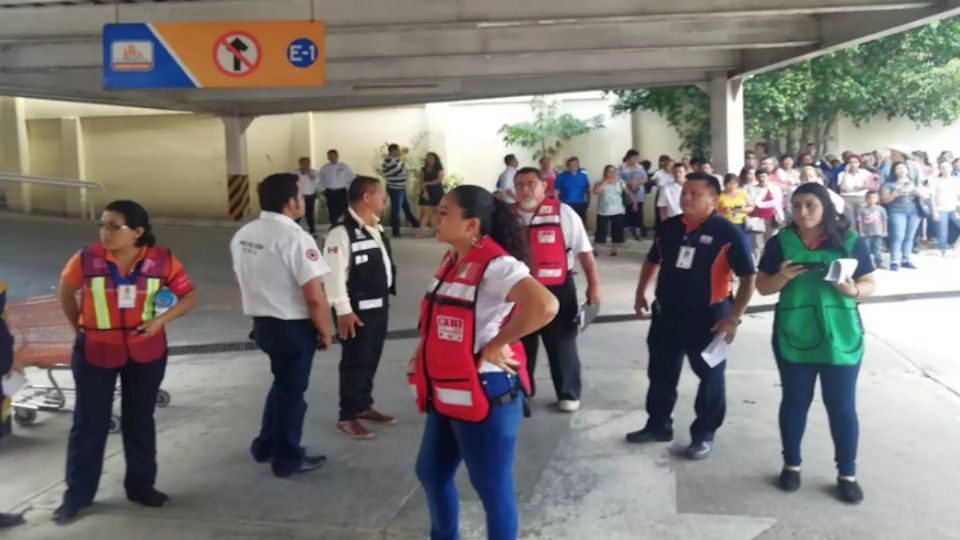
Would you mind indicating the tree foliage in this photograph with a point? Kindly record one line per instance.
(912, 75)
(548, 130)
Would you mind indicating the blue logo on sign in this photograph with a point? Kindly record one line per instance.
(302, 53)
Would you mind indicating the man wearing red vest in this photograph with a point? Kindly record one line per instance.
(556, 235)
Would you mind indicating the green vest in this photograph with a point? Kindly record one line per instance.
(815, 324)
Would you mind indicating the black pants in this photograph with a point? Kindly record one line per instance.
(560, 340)
(91, 423)
(667, 348)
(581, 210)
(635, 220)
(310, 203)
(291, 346)
(612, 225)
(359, 360)
(336, 204)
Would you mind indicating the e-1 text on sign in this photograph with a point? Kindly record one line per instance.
(214, 55)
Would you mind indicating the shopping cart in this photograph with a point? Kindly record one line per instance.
(44, 339)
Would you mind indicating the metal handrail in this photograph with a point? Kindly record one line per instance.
(48, 181)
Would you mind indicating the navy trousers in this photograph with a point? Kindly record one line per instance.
(838, 385)
(359, 360)
(487, 448)
(291, 346)
(560, 339)
(667, 348)
(91, 423)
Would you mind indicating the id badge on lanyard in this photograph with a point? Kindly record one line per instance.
(685, 258)
(126, 287)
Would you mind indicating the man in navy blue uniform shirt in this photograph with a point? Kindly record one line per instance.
(692, 261)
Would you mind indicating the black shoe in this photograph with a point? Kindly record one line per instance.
(527, 413)
(849, 491)
(311, 463)
(648, 436)
(11, 520)
(150, 498)
(66, 513)
(699, 450)
(397, 235)
(789, 480)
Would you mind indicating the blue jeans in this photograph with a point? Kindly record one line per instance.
(398, 200)
(873, 245)
(943, 228)
(903, 232)
(487, 448)
(839, 388)
(291, 346)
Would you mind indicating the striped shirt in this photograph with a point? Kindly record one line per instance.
(395, 172)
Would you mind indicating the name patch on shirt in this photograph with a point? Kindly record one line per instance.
(360, 259)
(450, 328)
(547, 237)
(705, 239)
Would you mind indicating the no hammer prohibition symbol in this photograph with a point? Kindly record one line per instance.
(237, 54)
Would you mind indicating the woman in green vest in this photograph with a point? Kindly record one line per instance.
(817, 331)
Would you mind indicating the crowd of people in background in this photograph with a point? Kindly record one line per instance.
(896, 200)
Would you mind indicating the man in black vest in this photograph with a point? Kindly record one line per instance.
(359, 284)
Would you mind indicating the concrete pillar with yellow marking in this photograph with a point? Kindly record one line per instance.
(15, 153)
(238, 179)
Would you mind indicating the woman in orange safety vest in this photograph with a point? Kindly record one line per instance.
(120, 332)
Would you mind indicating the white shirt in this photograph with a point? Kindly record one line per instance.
(759, 196)
(854, 185)
(273, 258)
(505, 182)
(663, 178)
(307, 184)
(946, 194)
(492, 305)
(337, 253)
(574, 233)
(669, 198)
(335, 176)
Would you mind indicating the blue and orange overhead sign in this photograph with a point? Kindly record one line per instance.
(214, 55)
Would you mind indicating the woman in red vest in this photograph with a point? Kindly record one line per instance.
(469, 372)
(120, 332)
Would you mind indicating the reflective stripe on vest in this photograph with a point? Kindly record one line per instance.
(149, 309)
(101, 307)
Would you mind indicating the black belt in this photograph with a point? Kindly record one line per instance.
(508, 398)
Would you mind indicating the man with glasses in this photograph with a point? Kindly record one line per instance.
(556, 235)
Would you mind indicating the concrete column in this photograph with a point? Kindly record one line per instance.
(636, 133)
(14, 153)
(726, 123)
(238, 172)
(304, 142)
(73, 166)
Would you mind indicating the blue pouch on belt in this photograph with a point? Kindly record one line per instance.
(496, 384)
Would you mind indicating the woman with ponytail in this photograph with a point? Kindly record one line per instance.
(817, 330)
(469, 371)
(129, 290)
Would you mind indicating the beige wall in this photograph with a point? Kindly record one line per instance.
(43, 137)
(174, 163)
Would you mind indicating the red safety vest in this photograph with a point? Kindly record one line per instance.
(548, 250)
(110, 338)
(445, 376)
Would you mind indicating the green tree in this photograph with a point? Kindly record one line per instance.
(913, 75)
(548, 130)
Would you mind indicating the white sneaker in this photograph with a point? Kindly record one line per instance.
(569, 405)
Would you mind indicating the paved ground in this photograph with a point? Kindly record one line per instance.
(575, 477)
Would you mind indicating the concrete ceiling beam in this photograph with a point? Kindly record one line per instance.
(88, 20)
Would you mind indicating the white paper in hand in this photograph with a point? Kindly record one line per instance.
(841, 270)
(716, 351)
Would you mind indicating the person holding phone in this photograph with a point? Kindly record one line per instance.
(901, 196)
(119, 334)
(817, 330)
(469, 373)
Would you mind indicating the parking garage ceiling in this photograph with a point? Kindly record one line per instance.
(392, 52)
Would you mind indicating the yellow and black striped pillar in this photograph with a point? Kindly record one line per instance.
(238, 179)
(238, 189)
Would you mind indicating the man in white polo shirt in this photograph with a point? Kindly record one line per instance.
(279, 269)
(668, 200)
(307, 178)
(335, 178)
